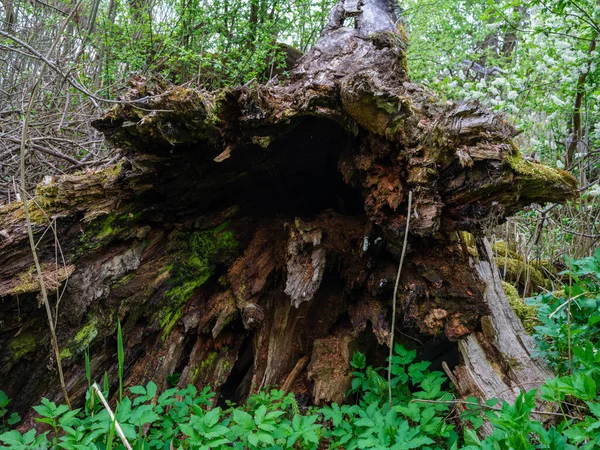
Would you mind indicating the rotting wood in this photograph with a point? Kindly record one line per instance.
(226, 200)
(291, 378)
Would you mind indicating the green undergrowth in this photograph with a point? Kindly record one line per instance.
(186, 418)
(570, 318)
(422, 414)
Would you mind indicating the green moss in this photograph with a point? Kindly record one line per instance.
(539, 176)
(98, 229)
(213, 108)
(124, 280)
(381, 115)
(208, 362)
(173, 313)
(539, 266)
(105, 228)
(111, 224)
(263, 141)
(517, 272)
(78, 343)
(130, 217)
(378, 111)
(15, 212)
(110, 172)
(527, 313)
(22, 345)
(397, 123)
(226, 365)
(29, 282)
(402, 32)
(197, 256)
(500, 250)
(205, 365)
(46, 193)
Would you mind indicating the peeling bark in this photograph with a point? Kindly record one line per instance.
(251, 228)
(498, 360)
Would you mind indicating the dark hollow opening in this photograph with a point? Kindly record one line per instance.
(437, 351)
(237, 386)
(296, 175)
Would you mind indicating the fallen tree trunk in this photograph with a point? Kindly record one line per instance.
(250, 236)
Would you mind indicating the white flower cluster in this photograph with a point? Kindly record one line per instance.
(594, 191)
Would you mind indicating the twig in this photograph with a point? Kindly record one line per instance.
(48, 151)
(300, 365)
(449, 373)
(36, 260)
(67, 77)
(491, 408)
(112, 416)
(562, 305)
(396, 294)
(569, 316)
(57, 246)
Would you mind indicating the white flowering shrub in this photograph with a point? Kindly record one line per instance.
(521, 58)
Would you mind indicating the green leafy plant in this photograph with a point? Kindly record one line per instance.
(120, 358)
(569, 320)
(10, 420)
(185, 418)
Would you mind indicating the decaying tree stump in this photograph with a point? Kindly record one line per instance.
(254, 232)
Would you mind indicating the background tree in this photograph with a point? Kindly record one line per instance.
(535, 61)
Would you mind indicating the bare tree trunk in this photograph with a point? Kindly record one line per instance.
(10, 17)
(577, 131)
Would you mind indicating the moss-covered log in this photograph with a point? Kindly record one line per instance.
(250, 231)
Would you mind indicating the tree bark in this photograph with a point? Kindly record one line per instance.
(10, 17)
(577, 133)
(251, 235)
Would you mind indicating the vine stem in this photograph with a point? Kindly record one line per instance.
(396, 295)
(569, 300)
(490, 408)
(32, 244)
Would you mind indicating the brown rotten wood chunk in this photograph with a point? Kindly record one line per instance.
(254, 232)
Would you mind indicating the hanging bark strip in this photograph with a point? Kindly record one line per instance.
(250, 228)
